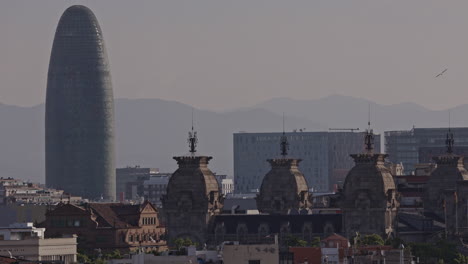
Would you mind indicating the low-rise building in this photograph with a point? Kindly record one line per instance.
(108, 226)
(24, 241)
(14, 191)
(251, 254)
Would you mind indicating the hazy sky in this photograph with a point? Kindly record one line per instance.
(217, 54)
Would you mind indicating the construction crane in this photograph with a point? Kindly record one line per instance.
(344, 129)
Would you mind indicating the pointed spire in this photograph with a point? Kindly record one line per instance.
(449, 139)
(192, 139)
(369, 138)
(284, 142)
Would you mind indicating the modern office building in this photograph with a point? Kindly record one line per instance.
(325, 157)
(155, 188)
(419, 145)
(129, 181)
(79, 122)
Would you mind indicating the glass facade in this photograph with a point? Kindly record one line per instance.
(325, 157)
(79, 109)
(413, 146)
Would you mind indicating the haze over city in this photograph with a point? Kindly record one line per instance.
(255, 132)
(224, 55)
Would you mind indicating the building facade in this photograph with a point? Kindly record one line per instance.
(155, 188)
(227, 186)
(419, 145)
(250, 254)
(449, 173)
(193, 197)
(79, 120)
(24, 241)
(108, 226)
(129, 181)
(284, 189)
(369, 199)
(325, 157)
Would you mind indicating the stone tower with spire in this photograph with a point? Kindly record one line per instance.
(193, 196)
(449, 172)
(284, 188)
(369, 198)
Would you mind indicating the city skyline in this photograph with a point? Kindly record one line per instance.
(307, 50)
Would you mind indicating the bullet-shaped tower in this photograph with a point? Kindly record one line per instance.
(79, 120)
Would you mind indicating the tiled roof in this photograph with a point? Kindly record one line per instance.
(107, 214)
(334, 237)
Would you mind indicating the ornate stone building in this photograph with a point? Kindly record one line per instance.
(262, 228)
(283, 203)
(107, 226)
(456, 210)
(369, 199)
(449, 171)
(193, 197)
(284, 188)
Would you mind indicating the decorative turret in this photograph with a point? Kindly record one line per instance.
(369, 199)
(284, 188)
(193, 196)
(449, 171)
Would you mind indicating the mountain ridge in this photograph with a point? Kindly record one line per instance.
(150, 132)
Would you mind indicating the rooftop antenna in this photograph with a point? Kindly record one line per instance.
(449, 139)
(192, 139)
(369, 138)
(284, 142)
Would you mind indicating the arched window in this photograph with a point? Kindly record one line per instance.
(307, 232)
(242, 232)
(263, 231)
(328, 228)
(220, 231)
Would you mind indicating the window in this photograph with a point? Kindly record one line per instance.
(256, 261)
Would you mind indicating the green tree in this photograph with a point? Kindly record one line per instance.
(82, 258)
(442, 250)
(182, 243)
(461, 259)
(395, 242)
(293, 241)
(113, 255)
(372, 240)
(188, 242)
(315, 242)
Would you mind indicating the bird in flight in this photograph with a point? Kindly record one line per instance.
(440, 74)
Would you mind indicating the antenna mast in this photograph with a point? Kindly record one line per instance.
(284, 142)
(449, 142)
(192, 139)
(369, 138)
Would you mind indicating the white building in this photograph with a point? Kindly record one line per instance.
(24, 241)
(227, 186)
(21, 231)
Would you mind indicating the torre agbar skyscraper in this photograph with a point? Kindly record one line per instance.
(79, 120)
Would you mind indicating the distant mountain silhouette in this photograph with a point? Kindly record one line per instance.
(149, 132)
(350, 112)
